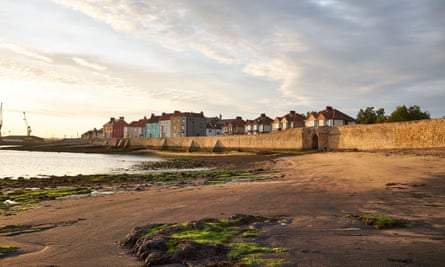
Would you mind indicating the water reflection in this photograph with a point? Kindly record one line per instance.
(14, 164)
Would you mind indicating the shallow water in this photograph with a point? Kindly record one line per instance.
(15, 164)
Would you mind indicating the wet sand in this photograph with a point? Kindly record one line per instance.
(317, 191)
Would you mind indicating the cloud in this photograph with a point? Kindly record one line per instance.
(24, 51)
(83, 62)
(314, 50)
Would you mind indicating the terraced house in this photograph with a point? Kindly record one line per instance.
(152, 127)
(234, 127)
(290, 120)
(329, 117)
(136, 129)
(183, 124)
(262, 124)
(114, 128)
(188, 124)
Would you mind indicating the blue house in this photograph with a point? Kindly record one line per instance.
(152, 127)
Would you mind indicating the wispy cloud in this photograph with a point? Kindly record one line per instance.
(85, 63)
(24, 51)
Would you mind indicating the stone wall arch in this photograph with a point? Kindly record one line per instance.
(314, 141)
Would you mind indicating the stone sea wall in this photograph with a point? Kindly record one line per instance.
(414, 134)
(287, 140)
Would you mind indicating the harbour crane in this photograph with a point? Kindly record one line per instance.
(1, 118)
(28, 128)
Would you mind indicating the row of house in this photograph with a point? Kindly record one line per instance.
(182, 124)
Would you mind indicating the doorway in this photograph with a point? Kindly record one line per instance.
(314, 142)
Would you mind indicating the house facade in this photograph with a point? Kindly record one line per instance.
(214, 126)
(184, 124)
(136, 129)
(329, 117)
(288, 121)
(262, 124)
(114, 128)
(92, 134)
(165, 125)
(234, 127)
(152, 127)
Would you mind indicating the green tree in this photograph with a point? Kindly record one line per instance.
(402, 113)
(369, 115)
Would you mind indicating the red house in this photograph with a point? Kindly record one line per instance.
(115, 128)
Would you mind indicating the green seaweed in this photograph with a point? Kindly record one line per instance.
(382, 221)
(236, 233)
(7, 250)
(153, 229)
(27, 196)
(24, 198)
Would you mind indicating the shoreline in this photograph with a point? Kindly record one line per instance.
(320, 192)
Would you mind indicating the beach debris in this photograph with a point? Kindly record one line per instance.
(10, 202)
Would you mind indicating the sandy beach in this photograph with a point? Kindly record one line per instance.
(318, 192)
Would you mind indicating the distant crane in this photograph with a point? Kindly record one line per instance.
(1, 118)
(28, 128)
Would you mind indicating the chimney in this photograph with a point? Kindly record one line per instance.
(292, 112)
(112, 119)
(329, 108)
(263, 115)
(121, 118)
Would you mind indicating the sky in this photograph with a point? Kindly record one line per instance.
(70, 65)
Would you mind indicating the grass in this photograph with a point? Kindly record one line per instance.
(382, 221)
(7, 250)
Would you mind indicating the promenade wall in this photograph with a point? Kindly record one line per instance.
(291, 139)
(413, 134)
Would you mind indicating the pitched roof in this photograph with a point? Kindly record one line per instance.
(153, 119)
(237, 122)
(165, 116)
(293, 116)
(332, 114)
(139, 123)
(114, 121)
(211, 125)
(263, 119)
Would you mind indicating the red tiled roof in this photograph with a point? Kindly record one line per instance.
(295, 117)
(237, 122)
(263, 119)
(332, 114)
(139, 123)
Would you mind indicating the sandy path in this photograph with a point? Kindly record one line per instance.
(315, 190)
